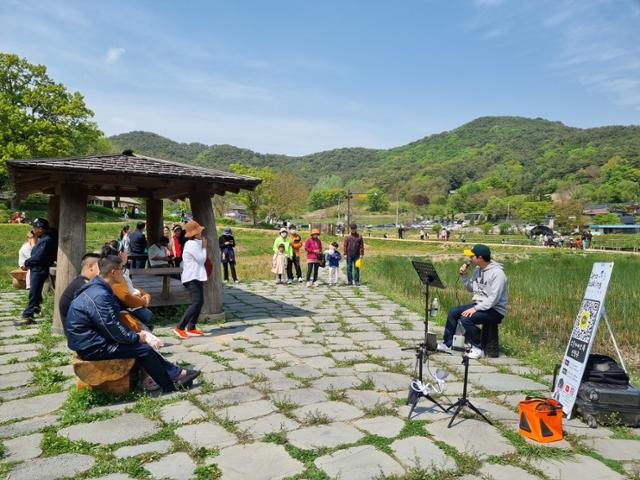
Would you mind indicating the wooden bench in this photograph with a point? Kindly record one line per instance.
(165, 272)
(112, 376)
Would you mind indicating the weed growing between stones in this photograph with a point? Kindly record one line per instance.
(467, 464)
(622, 432)
(366, 384)
(307, 457)
(420, 473)
(380, 410)
(381, 443)
(78, 402)
(528, 450)
(413, 428)
(207, 472)
(337, 395)
(581, 449)
(286, 406)
(316, 418)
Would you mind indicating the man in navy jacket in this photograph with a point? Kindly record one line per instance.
(43, 256)
(94, 331)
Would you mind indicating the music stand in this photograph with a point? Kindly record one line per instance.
(428, 277)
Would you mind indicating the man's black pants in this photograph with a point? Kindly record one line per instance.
(472, 332)
(37, 278)
(294, 262)
(163, 372)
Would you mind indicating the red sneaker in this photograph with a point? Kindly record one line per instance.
(194, 332)
(180, 333)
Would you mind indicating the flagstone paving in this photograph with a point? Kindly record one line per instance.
(298, 383)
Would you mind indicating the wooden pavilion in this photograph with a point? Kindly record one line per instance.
(70, 181)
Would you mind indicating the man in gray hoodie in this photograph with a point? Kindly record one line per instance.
(489, 286)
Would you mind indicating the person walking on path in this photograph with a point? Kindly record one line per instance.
(138, 245)
(353, 249)
(227, 254)
(94, 331)
(296, 244)
(283, 239)
(194, 275)
(279, 264)
(333, 257)
(313, 247)
(43, 256)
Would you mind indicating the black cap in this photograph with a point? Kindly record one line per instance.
(40, 222)
(481, 250)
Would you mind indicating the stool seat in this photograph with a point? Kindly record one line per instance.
(112, 376)
(490, 340)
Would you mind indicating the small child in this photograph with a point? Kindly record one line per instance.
(279, 263)
(334, 257)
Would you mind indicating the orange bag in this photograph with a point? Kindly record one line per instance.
(540, 419)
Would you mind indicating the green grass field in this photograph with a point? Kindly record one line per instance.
(545, 286)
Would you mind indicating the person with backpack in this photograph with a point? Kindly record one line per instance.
(227, 243)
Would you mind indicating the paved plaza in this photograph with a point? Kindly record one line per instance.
(298, 383)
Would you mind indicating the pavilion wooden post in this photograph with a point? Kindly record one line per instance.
(154, 220)
(203, 214)
(72, 233)
(53, 213)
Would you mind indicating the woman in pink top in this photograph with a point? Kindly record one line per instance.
(313, 247)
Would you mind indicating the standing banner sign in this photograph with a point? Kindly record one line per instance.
(582, 337)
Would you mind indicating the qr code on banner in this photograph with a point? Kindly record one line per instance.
(585, 320)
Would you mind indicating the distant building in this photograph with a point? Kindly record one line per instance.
(114, 202)
(619, 228)
(236, 211)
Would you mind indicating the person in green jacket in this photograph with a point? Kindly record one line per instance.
(285, 240)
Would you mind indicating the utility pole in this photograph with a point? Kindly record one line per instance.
(348, 209)
(397, 210)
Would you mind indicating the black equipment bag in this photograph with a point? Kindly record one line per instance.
(602, 403)
(604, 369)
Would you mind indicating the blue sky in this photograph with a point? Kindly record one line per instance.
(302, 76)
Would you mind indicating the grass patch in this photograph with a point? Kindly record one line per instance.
(380, 410)
(467, 464)
(337, 395)
(413, 428)
(208, 472)
(316, 418)
(381, 443)
(286, 406)
(529, 450)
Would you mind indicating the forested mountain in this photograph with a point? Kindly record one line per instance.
(488, 157)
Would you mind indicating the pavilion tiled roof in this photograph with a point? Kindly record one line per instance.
(124, 170)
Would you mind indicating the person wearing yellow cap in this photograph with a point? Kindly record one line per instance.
(488, 283)
(313, 247)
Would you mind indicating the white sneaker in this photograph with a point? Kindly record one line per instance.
(236, 281)
(315, 284)
(289, 282)
(308, 284)
(475, 353)
(300, 280)
(442, 347)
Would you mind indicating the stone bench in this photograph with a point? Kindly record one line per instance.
(113, 376)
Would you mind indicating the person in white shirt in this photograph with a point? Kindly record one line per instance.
(194, 275)
(25, 252)
(159, 254)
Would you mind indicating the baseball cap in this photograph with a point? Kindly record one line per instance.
(479, 250)
(40, 222)
(283, 229)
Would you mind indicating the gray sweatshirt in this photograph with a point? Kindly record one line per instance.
(489, 287)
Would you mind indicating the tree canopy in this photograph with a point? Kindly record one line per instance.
(39, 117)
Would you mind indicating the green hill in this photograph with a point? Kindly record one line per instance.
(490, 156)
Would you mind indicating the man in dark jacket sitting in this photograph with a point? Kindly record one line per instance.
(43, 256)
(94, 331)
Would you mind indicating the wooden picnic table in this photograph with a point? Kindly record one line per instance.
(165, 272)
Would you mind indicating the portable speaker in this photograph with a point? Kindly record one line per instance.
(540, 419)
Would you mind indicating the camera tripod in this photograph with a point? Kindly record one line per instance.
(414, 396)
(464, 401)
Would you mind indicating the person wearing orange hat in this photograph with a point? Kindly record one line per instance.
(313, 247)
(194, 275)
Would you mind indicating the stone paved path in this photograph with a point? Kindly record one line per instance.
(298, 383)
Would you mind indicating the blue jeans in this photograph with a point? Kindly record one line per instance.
(163, 372)
(37, 278)
(351, 265)
(472, 332)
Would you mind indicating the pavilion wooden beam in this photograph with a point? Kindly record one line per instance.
(72, 235)
(53, 211)
(203, 214)
(154, 220)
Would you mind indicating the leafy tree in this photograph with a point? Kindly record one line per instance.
(420, 199)
(287, 196)
(376, 201)
(325, 197)
(534, 212)
(436, 227)
(606, 219)
(39, 117)
(568, 215)
(486, 227)
(257, 200)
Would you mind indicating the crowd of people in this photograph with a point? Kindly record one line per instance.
(286, 256)
(580, 242)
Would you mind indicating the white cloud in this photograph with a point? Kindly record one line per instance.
(114, 54)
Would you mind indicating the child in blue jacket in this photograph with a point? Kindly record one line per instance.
(333, 257)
